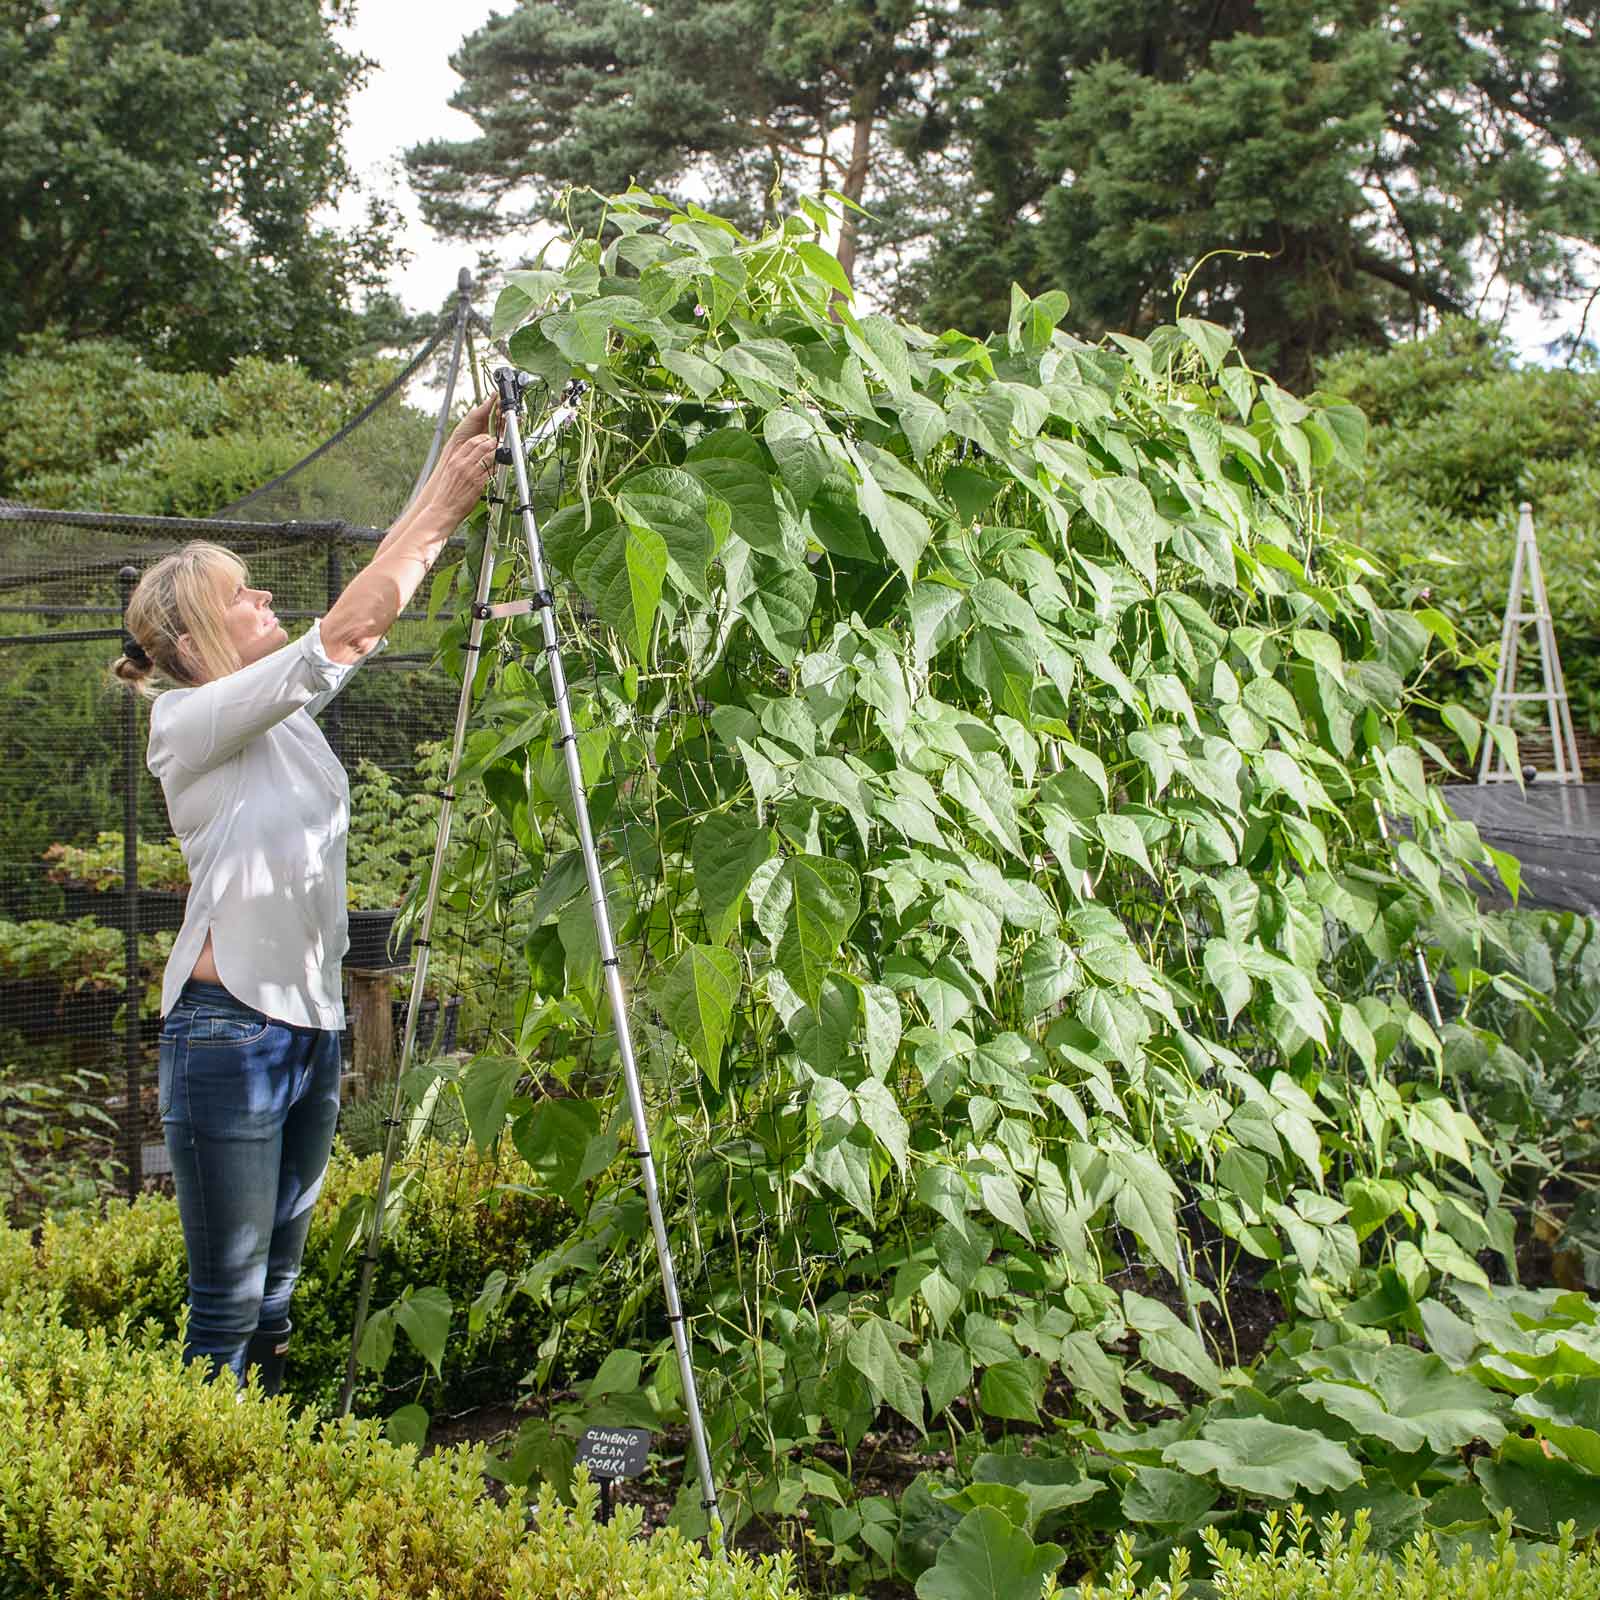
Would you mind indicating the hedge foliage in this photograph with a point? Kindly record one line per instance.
(1458, 436)
(91, 425)
(457, 1225)
(132, 1476)
(1292, 1565)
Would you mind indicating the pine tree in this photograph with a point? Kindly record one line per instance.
(1388, 159)
(715, 100)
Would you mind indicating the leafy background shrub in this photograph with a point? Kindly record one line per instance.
(89, 424)
(1459, 436)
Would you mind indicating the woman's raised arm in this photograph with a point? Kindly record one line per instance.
(365, 612)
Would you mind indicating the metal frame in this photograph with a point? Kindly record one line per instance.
(1527, 576)
(512, 386)
(421, 943)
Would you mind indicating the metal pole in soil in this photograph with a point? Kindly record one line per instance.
(481, 613)
(511, 385)
(133, 994)
(1423, 975)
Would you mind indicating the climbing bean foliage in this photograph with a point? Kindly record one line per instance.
(985, 751)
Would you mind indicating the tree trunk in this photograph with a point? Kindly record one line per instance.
(863, 114)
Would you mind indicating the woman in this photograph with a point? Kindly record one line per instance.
(251, 1007)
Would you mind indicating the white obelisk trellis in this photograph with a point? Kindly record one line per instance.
(1528, 602)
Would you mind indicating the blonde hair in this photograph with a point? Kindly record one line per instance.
(179, 596)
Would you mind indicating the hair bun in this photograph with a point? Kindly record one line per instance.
(134, 651)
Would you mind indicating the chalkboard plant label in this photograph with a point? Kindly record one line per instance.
(613, 1453)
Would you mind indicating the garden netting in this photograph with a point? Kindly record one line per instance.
(82, 944)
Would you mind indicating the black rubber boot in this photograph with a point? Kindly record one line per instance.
(267, 1352)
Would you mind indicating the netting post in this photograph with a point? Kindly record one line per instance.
(457, 345)
(133, 994)
(333, 718)
(422, 943)
(511, 385)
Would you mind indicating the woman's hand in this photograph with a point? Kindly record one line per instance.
(478, 420)
(463, 472)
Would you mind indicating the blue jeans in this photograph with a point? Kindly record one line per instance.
(248, 1107)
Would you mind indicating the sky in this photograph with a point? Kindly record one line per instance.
(406, 100)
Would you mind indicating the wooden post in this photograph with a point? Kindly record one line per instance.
(371, 1025)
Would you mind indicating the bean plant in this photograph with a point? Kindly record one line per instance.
(1020, 846)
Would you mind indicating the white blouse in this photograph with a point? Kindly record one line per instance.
(261, 808)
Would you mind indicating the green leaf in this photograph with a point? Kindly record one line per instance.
(984, 787)
(703, 378)
(843, 1160)
(1173, 1499)
(824, 266)
(1032, 321)
(1049, 975)
(776, 602)
(696, 997)
(1466, 727)
(1540, 1492)
(377, 1340)
(1409, 1399)
(1146, 1202)
(408, 1425)
(1121, 836)
(904, 530)
(618, 1374)
(1566, 1411)
(1372, 1201)
(822, 897)
(881, 1113)
(1096, 1375)
(946, 1369)
(924, 422)
(622, 570)
(1224, 964)
(1266, 1458)
(1167, 1343)
(747, 491)
(1048, 1485)
(884, 1024)
(425, 1316)
(677, 508)
(726, 850)
(874, 1351)
(1124, 509)
(1212, 342)
(988, 1558)
(1012, 1390)
(486, 1090)
(796, 442)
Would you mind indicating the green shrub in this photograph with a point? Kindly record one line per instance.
(456, 1226)
(131, 1475)
(1346, 1569)
(1457, 438)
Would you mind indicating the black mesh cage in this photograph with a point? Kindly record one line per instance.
(82, 941)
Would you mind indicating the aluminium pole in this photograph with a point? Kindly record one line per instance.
(481, 613)
(511, 384)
